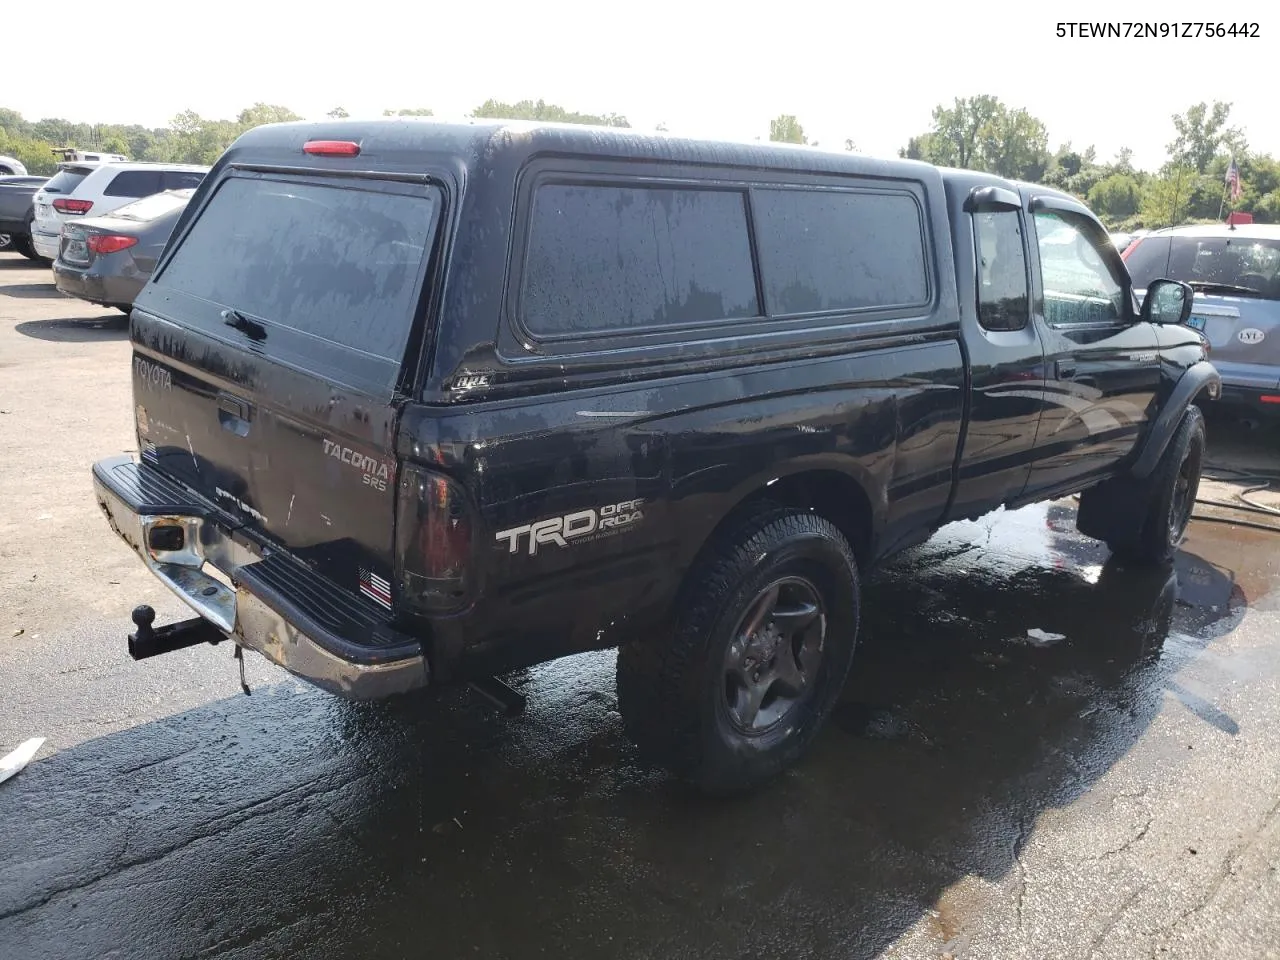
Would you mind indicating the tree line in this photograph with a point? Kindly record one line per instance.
(191, 138)
(982, 133)
(978, 133)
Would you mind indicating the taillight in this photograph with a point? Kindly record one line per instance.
(77, 208)
(331, 148)
(1133, 245)
(434, 542)
(110, 243)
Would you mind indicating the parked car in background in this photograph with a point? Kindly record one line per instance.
(83, 188)
(107, 260)
(94, 156)
(12, 167)
(1235, 272)
(16, 195)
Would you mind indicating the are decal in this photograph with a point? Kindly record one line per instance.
(1251, 335)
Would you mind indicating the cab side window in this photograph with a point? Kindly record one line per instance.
(1080, 286)
(1003, 299)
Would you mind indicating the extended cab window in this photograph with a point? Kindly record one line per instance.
(336, 264)
(823, 250)
(1003, 300)
(1079, 284)
(612, 259)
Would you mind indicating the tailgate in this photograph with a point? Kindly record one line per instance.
(268, 352)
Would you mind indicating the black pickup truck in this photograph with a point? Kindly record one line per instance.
(420, 403)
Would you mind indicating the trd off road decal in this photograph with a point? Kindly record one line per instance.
(376, 472)
(579, 527)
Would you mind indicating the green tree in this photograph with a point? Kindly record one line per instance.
(261, 113)
(36, 155)
(955, 139)
(59, 132)
(1014, 144)
(919, 148)
(981, 133)
(337, 113)
(1266, 209)
(1201, 133)
(11, 123)
(547, 112)
(785, 128)
(1179, 194)
(1115, 197)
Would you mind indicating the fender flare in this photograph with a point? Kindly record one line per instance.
(1198, 376)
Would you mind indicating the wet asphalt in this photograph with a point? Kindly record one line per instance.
(1101, 785)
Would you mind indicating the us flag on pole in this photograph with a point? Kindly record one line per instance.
(375, 588)
(1233, 179)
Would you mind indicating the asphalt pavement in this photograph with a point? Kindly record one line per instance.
(1040, 754)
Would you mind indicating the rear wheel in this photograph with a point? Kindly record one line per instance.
(22, 245)
(6, 242)
(1146, 520)
(28, 249)
(758, 655)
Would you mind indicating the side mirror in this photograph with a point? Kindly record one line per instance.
(1167, 301)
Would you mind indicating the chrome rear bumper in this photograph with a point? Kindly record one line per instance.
(205, 574)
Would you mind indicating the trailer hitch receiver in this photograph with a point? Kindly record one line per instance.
(148, 641)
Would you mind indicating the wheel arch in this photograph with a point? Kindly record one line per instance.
(846, 494)
(1198, 378)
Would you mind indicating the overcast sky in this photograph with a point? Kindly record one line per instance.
(868, 72)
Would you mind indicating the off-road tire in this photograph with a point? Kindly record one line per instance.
(1144, 521)
(671, 684)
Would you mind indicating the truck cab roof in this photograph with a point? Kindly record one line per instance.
(402, 140)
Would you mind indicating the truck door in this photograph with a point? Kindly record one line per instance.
(1006, 358)
(1102, 362)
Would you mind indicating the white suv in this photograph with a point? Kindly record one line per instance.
(83, 188)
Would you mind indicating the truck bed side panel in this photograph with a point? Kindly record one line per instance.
(634, 479)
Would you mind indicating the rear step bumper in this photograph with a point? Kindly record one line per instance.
(273, 604)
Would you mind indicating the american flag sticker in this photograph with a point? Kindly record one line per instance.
(375, 588)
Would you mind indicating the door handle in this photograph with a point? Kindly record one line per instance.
(233, 415)
(1064, 369)
(233, 406)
